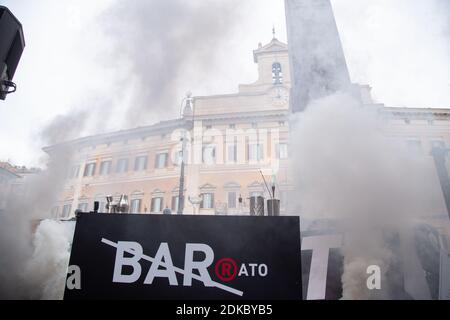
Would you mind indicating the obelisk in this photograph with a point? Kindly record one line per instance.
(318, 66)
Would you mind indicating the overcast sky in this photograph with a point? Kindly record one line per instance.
(88, 56)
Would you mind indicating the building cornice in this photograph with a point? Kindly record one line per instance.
(415, 113)
(232, 95)
(244, 116)
(104, 138)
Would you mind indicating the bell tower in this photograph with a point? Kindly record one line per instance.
(317, 62)
(273, 67)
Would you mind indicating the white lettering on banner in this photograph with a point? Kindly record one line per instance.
(135, 249)
(374, 281)
(201, 266)
(243, 271)
(252, 268)
(255, 270)
(163, 253)
(263, 270)
(320, 246)
(74, 280)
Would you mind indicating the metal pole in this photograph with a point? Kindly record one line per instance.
(181, 191)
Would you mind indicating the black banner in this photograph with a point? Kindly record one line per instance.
(167, 257)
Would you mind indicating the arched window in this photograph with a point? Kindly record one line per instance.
(277, 73)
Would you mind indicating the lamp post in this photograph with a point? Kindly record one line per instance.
(181, 190)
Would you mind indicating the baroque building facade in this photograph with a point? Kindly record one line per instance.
(237, 146)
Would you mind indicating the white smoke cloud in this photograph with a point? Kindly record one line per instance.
(48, 265)
(160, 47)
(25, 208)
(346, 169)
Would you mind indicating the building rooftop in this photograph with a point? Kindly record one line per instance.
(17, 170)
